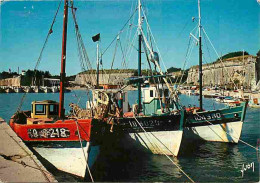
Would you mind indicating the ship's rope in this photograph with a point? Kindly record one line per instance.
(40, 56)
(164, 152)
(187, 57)
(82, 53)
(231, 135)
(223, 65)
(91, 177)
(83, 56)
(118, 33)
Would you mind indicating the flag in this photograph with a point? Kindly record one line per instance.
(100, 61)
(96, 37)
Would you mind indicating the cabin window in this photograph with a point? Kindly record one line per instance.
(40, 109)
(151, 93)
(166, 93)
(53, 109)
(160, 90)
(123, 97)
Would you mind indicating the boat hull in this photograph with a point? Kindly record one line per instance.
(58, 142)
(226, 132)
(69, 157)
(160, 142)
(158, 134)
(223, 125)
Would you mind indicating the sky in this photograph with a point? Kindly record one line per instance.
(232, 25)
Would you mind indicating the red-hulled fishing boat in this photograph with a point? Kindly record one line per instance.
(71, 144)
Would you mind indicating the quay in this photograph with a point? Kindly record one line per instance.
(17, 162)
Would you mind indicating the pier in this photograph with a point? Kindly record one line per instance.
(17, 162)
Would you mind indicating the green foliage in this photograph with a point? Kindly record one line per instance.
(4, 75)
(233, 54)
(34, 77)
(173, 69)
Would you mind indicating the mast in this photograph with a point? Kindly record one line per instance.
(97, 86)
(200, 58)
(63, 60)
(139, 54)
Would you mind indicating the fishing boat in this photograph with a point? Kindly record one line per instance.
(68, 142)
(222, 125)
(155, 122)
(28, 89)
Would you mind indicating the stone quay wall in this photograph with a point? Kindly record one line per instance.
(243, 70)
(112, 79)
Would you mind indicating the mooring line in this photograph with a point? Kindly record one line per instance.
(84, 152)
(233, 136)
(164, 152)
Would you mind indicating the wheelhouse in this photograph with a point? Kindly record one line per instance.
(45, 109)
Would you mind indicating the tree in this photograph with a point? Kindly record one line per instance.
(173, 69)
(233, 54)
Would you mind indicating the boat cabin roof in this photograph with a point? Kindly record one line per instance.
(45, 102)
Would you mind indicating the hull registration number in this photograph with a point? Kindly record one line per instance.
(49, 133)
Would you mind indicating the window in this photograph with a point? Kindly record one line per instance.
(166, 93)
(160, 90)
(123, 97)
(53, 109)
(151, 93)
(40, 109)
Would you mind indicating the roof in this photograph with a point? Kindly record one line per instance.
(45, 102)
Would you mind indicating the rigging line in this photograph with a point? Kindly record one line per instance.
(119, 32)
(40, 56)
(189, 54)
(81, 50)
(165, 80)
(123, 55)
(213, 80)
(129, 31)
(80, 41)
(130, 48)
(223, 65)
(157, 86)
(153, 38)
(232, 136)
(163, 151)
(157, 64)
(185, 61)
(112, 64)
(76, 121)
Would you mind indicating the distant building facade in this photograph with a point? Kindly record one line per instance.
(16, 81)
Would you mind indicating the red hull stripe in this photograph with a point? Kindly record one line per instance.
(58, 131)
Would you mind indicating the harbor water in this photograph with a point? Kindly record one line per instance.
(202, 161)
